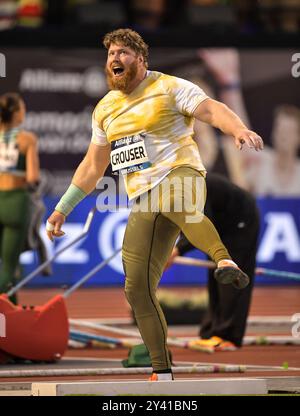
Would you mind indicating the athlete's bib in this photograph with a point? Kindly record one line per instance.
(129, 154)
(9, 155)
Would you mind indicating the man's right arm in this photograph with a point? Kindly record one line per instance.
(84, 181)
(92, 167)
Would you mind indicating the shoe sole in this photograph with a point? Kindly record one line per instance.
(225, 349)
(231, 275)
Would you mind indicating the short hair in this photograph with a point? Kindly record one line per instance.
(129, 38)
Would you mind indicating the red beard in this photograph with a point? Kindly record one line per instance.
(122, 83)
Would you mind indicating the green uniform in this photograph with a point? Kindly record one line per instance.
(14, 211)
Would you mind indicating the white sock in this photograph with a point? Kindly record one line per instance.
(229, 262)
(164, 376)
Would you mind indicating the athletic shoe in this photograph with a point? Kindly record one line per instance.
(228, 272)
(203, 345)
(161, 377)
(212, 344)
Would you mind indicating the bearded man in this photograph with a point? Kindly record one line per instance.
(144, 126)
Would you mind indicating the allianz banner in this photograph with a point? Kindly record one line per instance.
(279, 247)
(61, 88)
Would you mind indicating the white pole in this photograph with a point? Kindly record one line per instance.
(223, 368)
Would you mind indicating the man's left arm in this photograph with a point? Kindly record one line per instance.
(219, 115)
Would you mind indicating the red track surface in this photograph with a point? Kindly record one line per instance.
(111, 303)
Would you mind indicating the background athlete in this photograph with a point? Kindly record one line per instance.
(19, 168)
(235, 215)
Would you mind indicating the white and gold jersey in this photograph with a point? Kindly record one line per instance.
(150, 130)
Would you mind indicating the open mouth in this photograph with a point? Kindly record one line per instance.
(118, 70)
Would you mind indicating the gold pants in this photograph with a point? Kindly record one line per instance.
(153, 226)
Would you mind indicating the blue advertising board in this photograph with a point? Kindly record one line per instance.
(279, 247)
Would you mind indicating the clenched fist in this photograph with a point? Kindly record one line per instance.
(54, 224)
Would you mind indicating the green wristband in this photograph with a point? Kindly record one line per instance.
(70, 199)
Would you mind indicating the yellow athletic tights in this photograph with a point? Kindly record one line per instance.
(153, 226)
